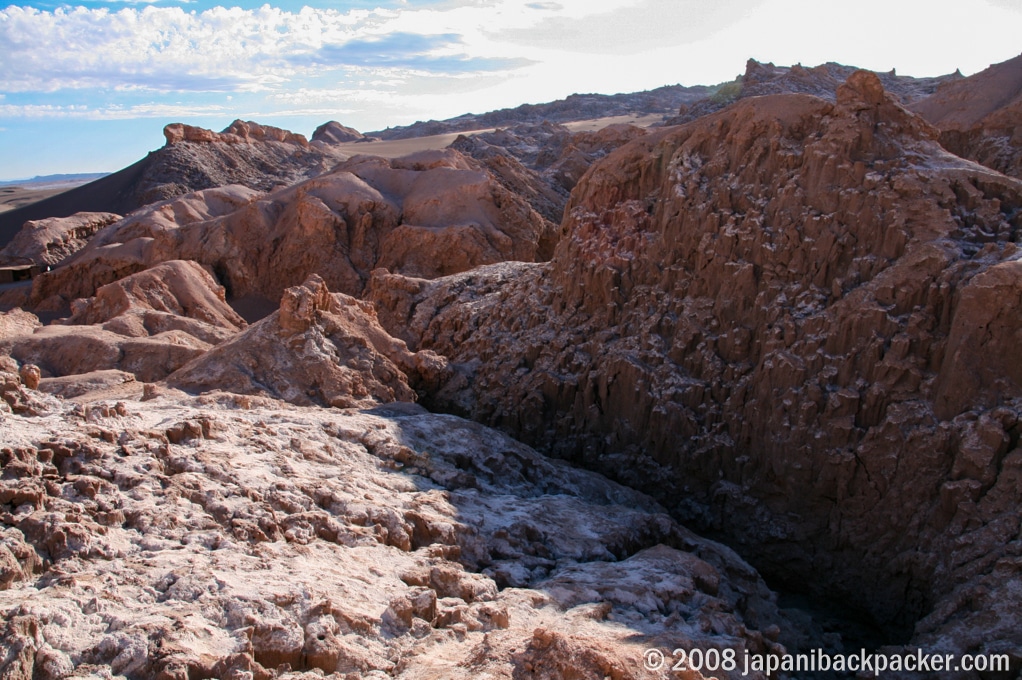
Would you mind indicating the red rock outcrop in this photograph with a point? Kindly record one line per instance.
(121, 248)
(980, 117)
(148, 324)
(429, 214)
(175, 295)
(333, 132)
(261, 157)
(238, 132)
(788, 321)
(318, 348)
(52, 240)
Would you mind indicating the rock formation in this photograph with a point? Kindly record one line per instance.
(51, 240)
(171, 294)
(792, 323)
(121, 248)
(148, 324)
(542, 163)
(980, 117)
(429, 214)
(318, 348)
(333, 132)
(238, 132)
(256, 156)
(789, 322)
(820, 81)
(17, 322)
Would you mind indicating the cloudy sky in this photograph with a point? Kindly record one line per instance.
(88, 87)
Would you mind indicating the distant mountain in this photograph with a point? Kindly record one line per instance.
(663, 100)
(820, 81)
(55, 179)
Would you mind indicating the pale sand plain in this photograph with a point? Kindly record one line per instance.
(13, 196)
(395, 148)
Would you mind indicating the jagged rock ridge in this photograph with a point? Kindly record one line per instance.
(820, 81)
(663, 100)
(542, 163)
(318, 348)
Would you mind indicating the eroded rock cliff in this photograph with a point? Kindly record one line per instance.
(48, 241)
(789, 322)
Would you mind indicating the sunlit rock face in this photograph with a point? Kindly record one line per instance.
(430, 214)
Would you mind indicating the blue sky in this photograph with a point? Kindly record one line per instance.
(88, 86)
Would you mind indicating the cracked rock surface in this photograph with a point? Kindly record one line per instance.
(242, 537)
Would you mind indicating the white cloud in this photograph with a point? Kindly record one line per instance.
(391, 66)
(222, 49)
(82, 112)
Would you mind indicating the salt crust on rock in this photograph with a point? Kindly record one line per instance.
(240, 537)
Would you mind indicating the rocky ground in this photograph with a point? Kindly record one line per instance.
(790, 323)
(149, 533)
